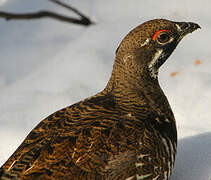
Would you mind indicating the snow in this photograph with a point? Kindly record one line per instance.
(2, 2)
(46, 65)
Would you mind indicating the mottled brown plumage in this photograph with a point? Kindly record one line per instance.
(127, 131)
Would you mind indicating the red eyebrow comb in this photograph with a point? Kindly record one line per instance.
(158, 32)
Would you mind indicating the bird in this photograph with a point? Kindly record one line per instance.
(125, 132)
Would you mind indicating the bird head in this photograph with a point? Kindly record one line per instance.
(149, 45)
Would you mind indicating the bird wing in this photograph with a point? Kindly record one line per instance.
(80, 140)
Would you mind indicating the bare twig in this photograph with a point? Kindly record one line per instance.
(68, 7)
(82, 20)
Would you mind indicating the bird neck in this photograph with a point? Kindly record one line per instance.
(131, 84)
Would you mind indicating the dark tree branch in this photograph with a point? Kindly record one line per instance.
(41, 14)
(68, 7)
(82, 20)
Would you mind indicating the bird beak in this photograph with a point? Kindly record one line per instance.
(185, 28)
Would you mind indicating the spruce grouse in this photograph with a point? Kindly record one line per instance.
(127, 131)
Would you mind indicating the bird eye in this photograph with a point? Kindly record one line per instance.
(161, 36)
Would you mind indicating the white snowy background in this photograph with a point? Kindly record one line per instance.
(46, 65)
